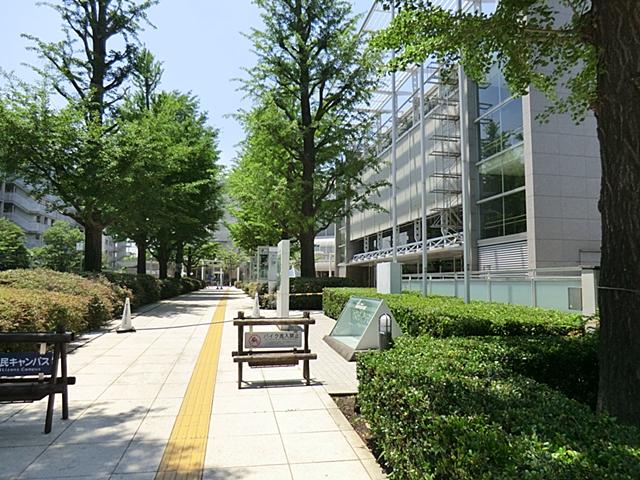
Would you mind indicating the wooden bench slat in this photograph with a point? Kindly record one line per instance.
(275, 356)
(9, 380)
(273, 321)
(25, 337)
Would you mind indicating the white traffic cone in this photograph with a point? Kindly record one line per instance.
(125, 324)
(256, 307)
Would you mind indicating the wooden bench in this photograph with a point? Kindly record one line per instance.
(278, 350)
(31, 376)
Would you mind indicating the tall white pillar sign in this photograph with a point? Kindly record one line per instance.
(282, 298)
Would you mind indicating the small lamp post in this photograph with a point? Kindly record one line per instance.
(384, 331)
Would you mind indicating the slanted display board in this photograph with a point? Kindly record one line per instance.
(357, 328)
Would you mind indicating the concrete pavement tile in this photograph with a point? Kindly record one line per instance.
(253, 403)
(131, 392)
(243, 451)
(155, 429)
(232, 424)
(269, 472)
(20, 432)
(317, 447)
(298, 400)
(173, 390)
(95, 460)
(305, 421)
(148, 378)
(15, 459)
(352, 470)
(358, 445)
(133, 476)
(141, 457)
(373, 469)
(104, 429)
(340, 419)
(163, 407)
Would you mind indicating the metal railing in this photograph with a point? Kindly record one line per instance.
(447, 241)
(558, 288)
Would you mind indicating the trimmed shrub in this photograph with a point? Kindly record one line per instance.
(23, 310)
(100, 301)
(145, 289)
(306, 293)
(459, 408)
(170, 287)
(450, 316)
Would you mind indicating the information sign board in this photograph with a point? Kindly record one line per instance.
(19, 364)
(285, 339)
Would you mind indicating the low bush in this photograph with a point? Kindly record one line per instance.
(23, 310)
(461, 408)
(144, 289)
(305, 293)
(450, 316)
(100, 301)
(170, 287)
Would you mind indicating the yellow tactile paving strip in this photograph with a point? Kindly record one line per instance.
(183, 457)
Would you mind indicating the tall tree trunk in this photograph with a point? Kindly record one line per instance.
(189, 262)
(141, 267)
(617, 35)
(163, 258)
(179, 259)
(307, 253)
(92, 247)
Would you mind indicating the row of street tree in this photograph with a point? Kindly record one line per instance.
(118, 154)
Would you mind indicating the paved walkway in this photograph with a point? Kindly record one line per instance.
(163, 403)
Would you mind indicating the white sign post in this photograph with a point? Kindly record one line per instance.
(282, 298)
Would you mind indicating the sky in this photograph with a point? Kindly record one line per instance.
(200, 43)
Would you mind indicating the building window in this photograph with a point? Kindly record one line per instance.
(501, 195)
(504, 215)
(8, 207)
(10, 187)
(38, 219)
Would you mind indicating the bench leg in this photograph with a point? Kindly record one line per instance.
(239, 375)
(49, 420)
(65, 393)
(306, 372)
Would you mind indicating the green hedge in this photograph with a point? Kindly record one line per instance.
(23, 310)
(100, 301)
(450, 316)
(145, 289)
(172, 287)
(459, 408)
(306, 293)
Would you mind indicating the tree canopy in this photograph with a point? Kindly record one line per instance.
(309, 86)
(589, 51)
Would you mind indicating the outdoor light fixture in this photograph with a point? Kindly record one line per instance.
(384, 331)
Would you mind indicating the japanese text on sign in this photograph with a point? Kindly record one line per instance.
(272, 339)
(18, 364)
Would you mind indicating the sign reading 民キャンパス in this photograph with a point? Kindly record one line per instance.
(272, 339)
(18, 364)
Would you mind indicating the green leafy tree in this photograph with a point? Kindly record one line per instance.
(196, 252)
(590, 48)
(88, 68)
(13, 253)
(261, 184)
(60, 250)
(144, 150)
(177, 152)
(55, 151)
(312, 68)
